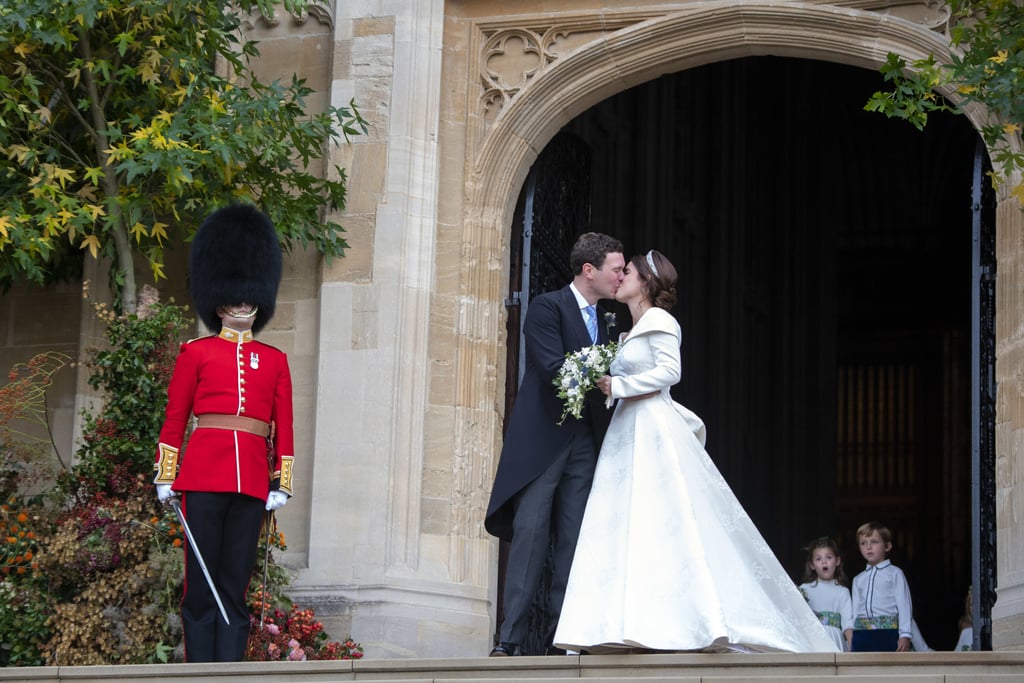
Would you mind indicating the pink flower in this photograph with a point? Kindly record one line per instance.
(273, 651)
(272, 629)
(297, 654)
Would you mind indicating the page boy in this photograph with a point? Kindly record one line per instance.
(882, 610)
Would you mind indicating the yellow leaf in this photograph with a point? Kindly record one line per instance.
(93, 243)
(158, 271)
(5, 223)
(75, 75)
(95, 210)
(966, 89)
(19, 151)
(141, 133)
(24, 49)
(1011, 128)
(62, 175)
(1018, 192)
(1000, 57)
(139, 231)
(158, 232)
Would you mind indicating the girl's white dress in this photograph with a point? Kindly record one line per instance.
(833, 606)
(667, 559)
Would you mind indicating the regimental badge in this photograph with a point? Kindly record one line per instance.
(254, 360)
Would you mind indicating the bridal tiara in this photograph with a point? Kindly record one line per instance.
(650, 262)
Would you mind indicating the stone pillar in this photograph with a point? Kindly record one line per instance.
(1008, 612)
(381, 564)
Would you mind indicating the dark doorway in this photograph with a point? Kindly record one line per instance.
(825, 298)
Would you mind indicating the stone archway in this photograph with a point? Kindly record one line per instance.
(514, 125)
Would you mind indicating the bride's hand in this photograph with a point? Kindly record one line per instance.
(605, 385)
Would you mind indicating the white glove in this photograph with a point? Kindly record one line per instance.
(276, 500)
(164, 492)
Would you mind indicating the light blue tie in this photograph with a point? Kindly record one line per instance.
(590, 314)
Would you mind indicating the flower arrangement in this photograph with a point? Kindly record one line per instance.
(579, 374)
(295, 636)
(609, 323)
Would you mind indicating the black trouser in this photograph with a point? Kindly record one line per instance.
(553, 502)
(226, 527)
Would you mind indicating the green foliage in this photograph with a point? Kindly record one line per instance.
(133, 373)
(988, 68)
(24, 612)
(119, 133)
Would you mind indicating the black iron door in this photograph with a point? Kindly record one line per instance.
(983, 401)
(552, 211)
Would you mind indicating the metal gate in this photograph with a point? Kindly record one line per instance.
(983, 402)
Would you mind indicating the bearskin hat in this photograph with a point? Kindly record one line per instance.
(235, 258)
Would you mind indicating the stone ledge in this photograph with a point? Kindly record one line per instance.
(923, 667)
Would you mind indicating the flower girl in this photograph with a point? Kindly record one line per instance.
(826, 590)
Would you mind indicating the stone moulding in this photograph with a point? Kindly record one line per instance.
(513, 52)
(320, 10)
(607, 57)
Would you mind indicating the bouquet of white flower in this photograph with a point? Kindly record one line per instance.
(579, 374)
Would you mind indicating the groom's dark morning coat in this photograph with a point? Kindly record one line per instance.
(554, 326)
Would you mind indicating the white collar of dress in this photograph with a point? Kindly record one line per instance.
(235, 336)
(654, 319)
(881, 565)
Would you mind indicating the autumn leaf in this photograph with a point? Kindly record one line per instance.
(1000, 57)
(93, 244)
(138, 231)
(158, 231)
(1018, 192)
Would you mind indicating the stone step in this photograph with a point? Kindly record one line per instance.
(914, 667)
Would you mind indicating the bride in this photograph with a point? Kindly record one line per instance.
(667, 559)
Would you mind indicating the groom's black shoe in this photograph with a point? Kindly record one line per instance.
(506, 650)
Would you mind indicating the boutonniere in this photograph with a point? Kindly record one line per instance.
(609, 323)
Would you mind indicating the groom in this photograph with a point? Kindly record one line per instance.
(546, 469)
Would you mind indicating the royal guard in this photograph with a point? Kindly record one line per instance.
(237, 465)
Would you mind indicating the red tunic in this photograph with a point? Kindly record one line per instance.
(229, 374)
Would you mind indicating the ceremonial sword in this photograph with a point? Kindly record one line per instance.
(176, 504)
(266, 563)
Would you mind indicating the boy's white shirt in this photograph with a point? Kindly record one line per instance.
(882, 591)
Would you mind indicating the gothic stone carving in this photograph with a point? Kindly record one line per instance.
(512, 55)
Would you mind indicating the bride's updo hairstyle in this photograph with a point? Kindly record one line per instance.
(659, 275)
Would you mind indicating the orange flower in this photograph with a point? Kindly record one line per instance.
(177, 543)
(28, 555)
(22, 517)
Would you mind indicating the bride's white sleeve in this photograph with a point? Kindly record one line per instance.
(666, 372)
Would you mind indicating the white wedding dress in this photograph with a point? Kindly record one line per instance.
(667, 559)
